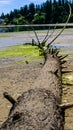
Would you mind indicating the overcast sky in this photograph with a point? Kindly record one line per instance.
(7, 5)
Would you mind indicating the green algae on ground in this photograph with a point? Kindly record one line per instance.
(68, 52)
(32, 52)
(68, 78)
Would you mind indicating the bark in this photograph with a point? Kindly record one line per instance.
(38, 108)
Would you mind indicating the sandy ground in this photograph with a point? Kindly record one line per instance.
(14, 79)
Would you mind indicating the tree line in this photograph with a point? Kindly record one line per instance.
(46, 13)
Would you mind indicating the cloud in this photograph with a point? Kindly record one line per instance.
(36, 1)
(4, 2)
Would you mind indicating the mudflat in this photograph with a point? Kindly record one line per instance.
(15, 78)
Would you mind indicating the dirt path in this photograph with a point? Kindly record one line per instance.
(17, 77)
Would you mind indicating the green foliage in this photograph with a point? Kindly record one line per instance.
(39, 18)
(6, 20)
(71, 19)
(15, 21)
(19, 20)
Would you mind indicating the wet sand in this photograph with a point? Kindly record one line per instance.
(65, 40)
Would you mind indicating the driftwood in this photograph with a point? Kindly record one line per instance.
(40, 107)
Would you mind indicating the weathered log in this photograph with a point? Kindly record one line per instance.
(38, 108)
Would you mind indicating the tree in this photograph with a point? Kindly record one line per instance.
(38, 8)
(2, 16)
(25, 11)
(16, 13)
(7, 19)
(11, 15)
(48, 11)
(39, 18)
(63, 2)
(59, 2)
(31, 11)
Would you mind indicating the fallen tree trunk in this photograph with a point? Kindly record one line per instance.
(38, 108)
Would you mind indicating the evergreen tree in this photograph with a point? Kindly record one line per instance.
(26, 11)
(2, 16)
(48, 11)
(59, 3)
(31, 12)
(63, 2)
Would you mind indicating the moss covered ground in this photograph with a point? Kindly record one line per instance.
(29, 51)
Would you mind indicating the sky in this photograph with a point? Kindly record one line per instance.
(7, 5)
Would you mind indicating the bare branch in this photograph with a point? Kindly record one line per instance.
(57, 52)
(34, 33)
(63, 72)
(63, 62)
(9, 98)
(47, 37)
(62, 57)
(66, 106)
(62, 28)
